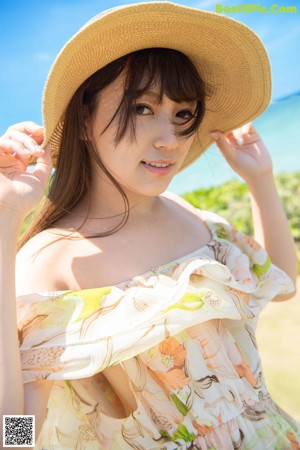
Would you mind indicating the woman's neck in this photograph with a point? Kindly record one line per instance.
(104, 208)
(105, 200)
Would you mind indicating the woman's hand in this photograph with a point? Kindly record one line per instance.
(247, 155)
(245, 152)
(20, 191)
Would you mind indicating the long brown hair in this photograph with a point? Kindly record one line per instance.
(176, 77)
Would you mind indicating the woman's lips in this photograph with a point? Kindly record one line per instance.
(161, 167)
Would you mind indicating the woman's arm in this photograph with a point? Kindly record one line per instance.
(271, 227)
(246, 153)
(19, 194)
(11, 385)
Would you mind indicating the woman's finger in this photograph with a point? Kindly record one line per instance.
(233, 140)
(28, 142)
(43, 166)
(10, 146)
(240, 135)
(243, 136)
(28, 127)
(223, 145)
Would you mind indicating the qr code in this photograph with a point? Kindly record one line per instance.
(18, 431)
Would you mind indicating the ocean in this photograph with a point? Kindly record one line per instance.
(279, 127)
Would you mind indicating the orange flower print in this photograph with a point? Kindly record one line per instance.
(172, 353)
(295, 445)
(252, 243)
(173, 379)
(241, 294)
(244, 370)
(202, 430)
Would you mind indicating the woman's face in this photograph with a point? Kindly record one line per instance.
(147, 163)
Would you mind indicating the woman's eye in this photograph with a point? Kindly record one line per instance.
(142, 110)
(185, 114)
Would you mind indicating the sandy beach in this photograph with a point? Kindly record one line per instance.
(278, 338)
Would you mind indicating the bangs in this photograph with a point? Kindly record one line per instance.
(169, 70)
(172, 73)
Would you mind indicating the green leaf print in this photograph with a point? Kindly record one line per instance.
(92, 299)
(182, 433)
(189, 302)
(221, 232)
(261, 269)
(179, 405)
(165, 434)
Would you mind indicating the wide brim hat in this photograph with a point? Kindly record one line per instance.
(228, 55)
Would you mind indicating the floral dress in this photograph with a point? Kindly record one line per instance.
(183, 335)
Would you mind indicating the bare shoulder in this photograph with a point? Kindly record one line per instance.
(203, 215)
(39, 263)
(180, 202)
(192, 219)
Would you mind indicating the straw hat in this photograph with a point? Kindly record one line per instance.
(228, 55)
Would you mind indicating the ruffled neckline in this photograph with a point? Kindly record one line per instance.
(158, 270)
(78, 333)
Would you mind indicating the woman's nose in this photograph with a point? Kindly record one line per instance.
(165, 136)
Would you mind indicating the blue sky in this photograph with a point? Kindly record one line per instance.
(32, 32)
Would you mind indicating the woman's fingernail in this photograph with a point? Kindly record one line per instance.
(214, 135)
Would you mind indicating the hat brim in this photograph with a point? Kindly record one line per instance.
(228, 55)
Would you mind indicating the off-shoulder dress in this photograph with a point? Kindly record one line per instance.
(183, 335)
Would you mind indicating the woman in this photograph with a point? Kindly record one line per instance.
(136, 312)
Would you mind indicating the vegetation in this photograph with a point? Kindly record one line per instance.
(232, 201)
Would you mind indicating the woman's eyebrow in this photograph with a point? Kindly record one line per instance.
(156, 97)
